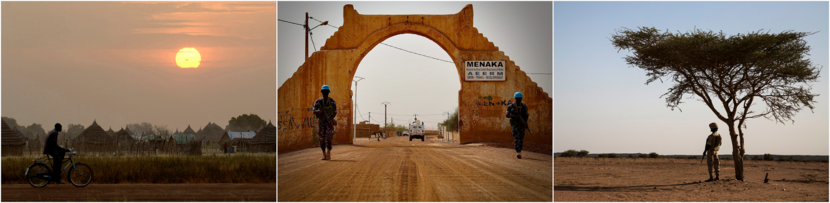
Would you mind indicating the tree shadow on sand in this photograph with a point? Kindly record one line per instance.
(619, 188)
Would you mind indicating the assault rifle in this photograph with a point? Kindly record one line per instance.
(704, 155)
(329, 119)
(523, 123)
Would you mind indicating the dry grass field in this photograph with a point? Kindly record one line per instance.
(213, 168)
(664, 179)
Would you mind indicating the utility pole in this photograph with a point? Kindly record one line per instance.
(305, 27)
(384, 113)
(370, 117)
(354, 106)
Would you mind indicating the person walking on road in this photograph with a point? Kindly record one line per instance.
(325, 109)
(517, 112)
(713, 143)
(51, 148)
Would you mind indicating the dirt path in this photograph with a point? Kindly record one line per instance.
(626, 179)
(396, 169)
(141, 192)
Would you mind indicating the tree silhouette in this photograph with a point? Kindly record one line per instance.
(731, 73)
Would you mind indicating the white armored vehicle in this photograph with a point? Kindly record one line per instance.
(416, 130)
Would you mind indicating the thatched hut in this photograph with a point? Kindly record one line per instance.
(12, 141)
(265, 140)
(212, 133)
(110, 132)
(125, 139)
(189, 131)
(94, 139)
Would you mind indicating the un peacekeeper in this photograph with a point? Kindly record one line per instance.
(713, 143)
(517, 111)
(325, 129)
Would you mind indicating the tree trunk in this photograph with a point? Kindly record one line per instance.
(736, 154)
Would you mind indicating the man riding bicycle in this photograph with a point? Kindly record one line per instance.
(51, 148)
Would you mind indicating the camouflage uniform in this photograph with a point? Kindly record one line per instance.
(325, 132)
(714, 141)
(518, 130)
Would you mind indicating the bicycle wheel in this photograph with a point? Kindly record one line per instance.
(36, 175)
(80, 175)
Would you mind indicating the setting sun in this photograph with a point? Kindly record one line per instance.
(188, 57)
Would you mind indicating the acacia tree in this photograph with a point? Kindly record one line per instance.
(732, 73)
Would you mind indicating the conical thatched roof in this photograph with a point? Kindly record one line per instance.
(211, 132)
(268, 135)
(110, 132)
(94, 134)
(11, 136)
(189, 131)
(177, 131)
(123, 135)
(128, 131)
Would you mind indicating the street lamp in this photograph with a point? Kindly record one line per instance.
(309, 30)
(354, 106)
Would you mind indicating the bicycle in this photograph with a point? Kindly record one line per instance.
(39, 174)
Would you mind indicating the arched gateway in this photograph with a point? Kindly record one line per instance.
(482, 104)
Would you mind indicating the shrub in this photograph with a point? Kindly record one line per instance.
(756, 157)
(582, 153)
(602, 156)
(612, 155)
(768, 157)
(569, 153)
(642, 156)
(630, 156)
(653, 155)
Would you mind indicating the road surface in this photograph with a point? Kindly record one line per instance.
(396, 169)
(140, 192)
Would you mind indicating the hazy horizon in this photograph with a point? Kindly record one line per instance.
(115, 62)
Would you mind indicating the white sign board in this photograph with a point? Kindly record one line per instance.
(484, 70)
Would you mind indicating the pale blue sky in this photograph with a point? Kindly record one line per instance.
(602, 105)
(412, 83)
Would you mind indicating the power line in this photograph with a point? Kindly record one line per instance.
(312, 41)
(291, 22)
(391, 45)
(417, 53)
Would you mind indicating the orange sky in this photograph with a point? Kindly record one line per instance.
(72, 62)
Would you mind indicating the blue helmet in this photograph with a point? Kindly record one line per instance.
(325, 87)
(518, 95)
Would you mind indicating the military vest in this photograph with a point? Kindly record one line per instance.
(326, 106)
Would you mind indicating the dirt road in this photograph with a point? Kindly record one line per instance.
(396, 169)
(141, 192)
(671, 180)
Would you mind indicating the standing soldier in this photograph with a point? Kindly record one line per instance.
(517, 112)
(325, 110)
(713, 143)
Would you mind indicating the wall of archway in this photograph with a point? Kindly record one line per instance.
(482, 105)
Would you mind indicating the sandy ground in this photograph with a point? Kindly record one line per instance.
(396, 169)
(625, 179)
(141, 192)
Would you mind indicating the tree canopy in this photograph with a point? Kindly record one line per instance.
(245, 122)
(728, 72)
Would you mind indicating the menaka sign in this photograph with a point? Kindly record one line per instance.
(484, 71)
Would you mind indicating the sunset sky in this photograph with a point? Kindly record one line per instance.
(72, 62)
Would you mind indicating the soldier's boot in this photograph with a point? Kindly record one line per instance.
(717, 175)
(324, 156)
(328, 155)
(710, 178)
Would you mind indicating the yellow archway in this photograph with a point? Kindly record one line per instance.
(481, 105)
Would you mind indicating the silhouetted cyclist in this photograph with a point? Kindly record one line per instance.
(52, 148)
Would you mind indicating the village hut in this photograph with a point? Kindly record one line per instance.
(189, 131)
(210, 134)
(265, 140)
(110, 132)
(227, 137)
(241, 144)
(12, 141)
(125, 139)
(94, 139)
(187, 143)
